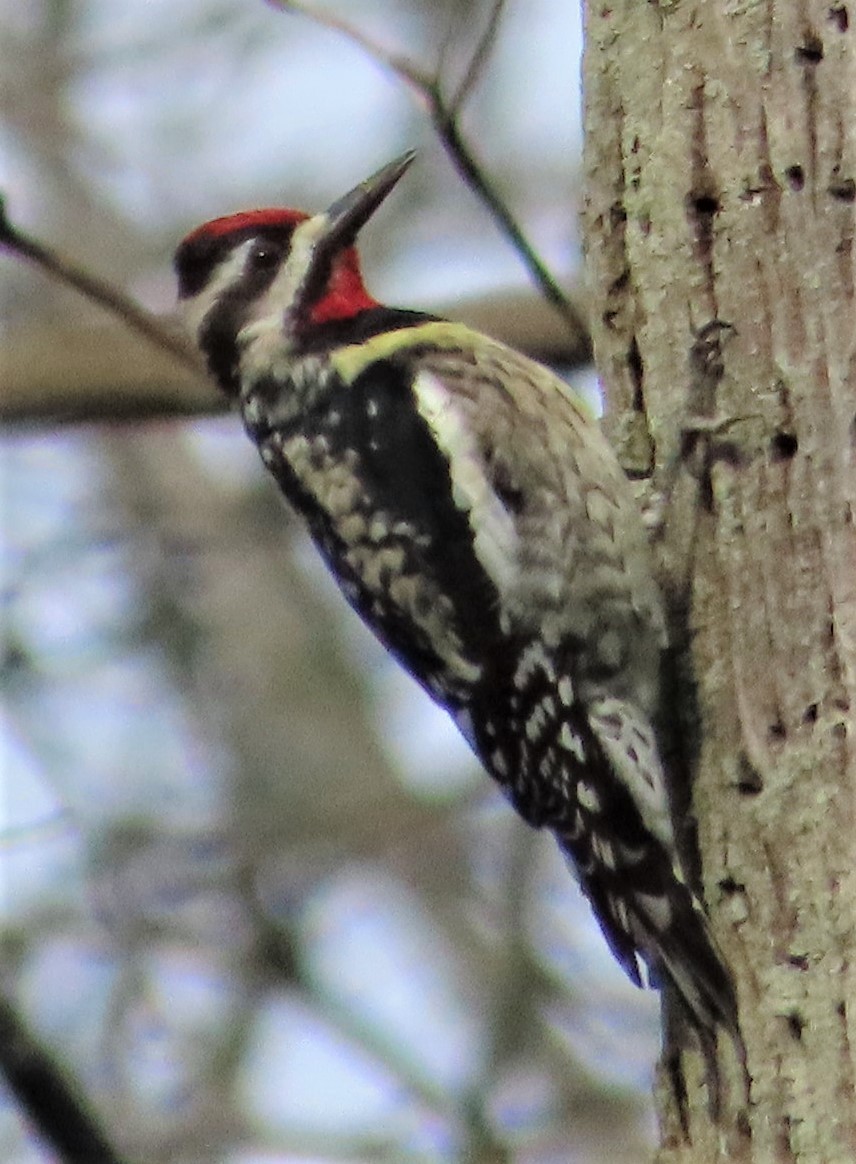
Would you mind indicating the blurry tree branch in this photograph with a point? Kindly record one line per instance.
(145, 368)
(56, 1112)
(83, 373)
(444, 112)
(99, 291)
(79, 374)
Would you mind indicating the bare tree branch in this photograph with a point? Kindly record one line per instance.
(56, 1112)
(81, 373)
(99, 291)
(444, 117)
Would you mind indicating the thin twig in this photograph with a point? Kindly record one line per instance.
(444, 118)
(449, 133)
(99, 291)
(402, 66)
(479, 58)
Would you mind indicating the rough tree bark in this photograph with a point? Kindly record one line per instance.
(721, 188)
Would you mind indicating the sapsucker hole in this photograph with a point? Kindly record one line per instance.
(729, 886)
(798, 961)
(795, 177)
(811, 713)
(620, 284)
(839, 16)
(843, 189)
(749, 782)
(617, 215)
(810, 52)
(703, 205)
(777, 731)
(749, 779)
(637, 370)
(841, 1009)
(783, 446)
(796, 1024)
(615, 298)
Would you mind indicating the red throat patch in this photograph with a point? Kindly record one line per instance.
(345, 295)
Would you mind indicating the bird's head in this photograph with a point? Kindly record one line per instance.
(276, 276)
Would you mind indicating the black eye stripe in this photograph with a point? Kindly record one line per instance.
(194, 262)
(198, 256)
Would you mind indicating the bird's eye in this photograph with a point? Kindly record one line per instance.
(264, 256)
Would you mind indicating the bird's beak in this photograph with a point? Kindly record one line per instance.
(349, 214)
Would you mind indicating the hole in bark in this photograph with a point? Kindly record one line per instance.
(795, 177)
(749, 781)
(636, 369)
(617, 215)
(844, 189)
(783, 446)
(704, 205)
(796, 1024)
(799, 961)
(839, 16)
(619, 284)
(777, 731)
(811, 713)
(729, 886)
(810, 53)
(841, 1009)
(750, 787)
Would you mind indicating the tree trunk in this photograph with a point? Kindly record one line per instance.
(719, 217)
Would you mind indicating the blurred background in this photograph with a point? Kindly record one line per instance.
(258, 900)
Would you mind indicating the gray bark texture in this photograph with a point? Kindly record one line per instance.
(720, 171)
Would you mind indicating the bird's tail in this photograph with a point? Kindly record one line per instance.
(619, 837)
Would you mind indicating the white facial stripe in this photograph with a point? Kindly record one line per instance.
(194, 309)
(283, 291)
(265, 339)
(494, 533)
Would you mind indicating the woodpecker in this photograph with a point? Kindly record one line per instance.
(475, 517)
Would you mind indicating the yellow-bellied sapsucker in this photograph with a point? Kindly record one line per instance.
(475, 517)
